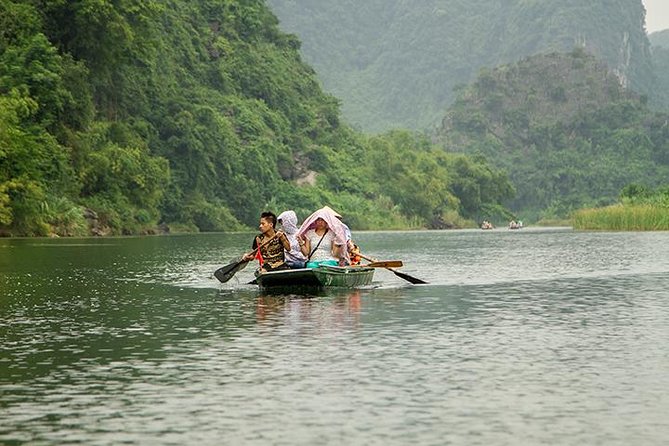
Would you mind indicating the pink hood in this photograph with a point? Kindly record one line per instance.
(333, 222)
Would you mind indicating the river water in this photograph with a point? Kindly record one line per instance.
(536, 336)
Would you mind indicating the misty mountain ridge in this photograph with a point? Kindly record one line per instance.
(396, 63)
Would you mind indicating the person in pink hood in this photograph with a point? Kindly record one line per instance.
(322, 239)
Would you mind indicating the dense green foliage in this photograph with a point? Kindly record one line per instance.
(640, 209)
(563, 128)
(638, 194)
(198, 115)
(422, 182)
(395, 63)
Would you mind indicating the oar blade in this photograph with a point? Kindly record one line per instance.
(408, 278)
(225, 273)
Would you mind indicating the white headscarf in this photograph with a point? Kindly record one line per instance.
(288, 220)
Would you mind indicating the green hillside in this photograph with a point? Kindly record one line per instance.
(565, 130)
(126, 117)
(395, 63)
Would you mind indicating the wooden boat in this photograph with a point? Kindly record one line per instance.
(320, 277)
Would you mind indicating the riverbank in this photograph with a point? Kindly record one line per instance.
(86, 222)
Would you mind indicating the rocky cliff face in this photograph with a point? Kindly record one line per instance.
(660, 54)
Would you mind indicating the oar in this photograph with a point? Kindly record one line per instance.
(408, 278)
(384, 264)
(225, 273)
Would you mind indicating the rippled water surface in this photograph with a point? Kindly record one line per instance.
(538, 336)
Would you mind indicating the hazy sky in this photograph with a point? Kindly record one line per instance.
(657, 15)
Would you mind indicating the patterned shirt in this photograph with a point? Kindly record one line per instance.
(272, 252)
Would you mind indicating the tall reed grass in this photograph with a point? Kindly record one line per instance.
(623, 217)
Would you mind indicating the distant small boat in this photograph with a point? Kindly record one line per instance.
(515, 225)
(486, 225)
(320, 277)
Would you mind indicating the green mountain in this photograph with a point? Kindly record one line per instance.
(395, 63)
(116, 117)
(568, 134)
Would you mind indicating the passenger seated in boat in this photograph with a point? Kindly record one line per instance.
(293, 256)
(322, 239)
(353, 253)
(270, 256)
(353, 249)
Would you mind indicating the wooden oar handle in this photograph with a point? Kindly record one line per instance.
(262, 245)
(371, 259)
(380, 263)
(384, 264)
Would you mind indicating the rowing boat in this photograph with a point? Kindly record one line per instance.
(320, 277)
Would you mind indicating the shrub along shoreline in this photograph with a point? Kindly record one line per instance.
(621, 217)
(640, 209)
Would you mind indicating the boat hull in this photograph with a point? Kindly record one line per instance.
(320, 277)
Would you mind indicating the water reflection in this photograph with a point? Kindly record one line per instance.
(300, 313)
(314, 310)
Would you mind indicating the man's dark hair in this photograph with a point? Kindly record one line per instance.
(269, 216)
